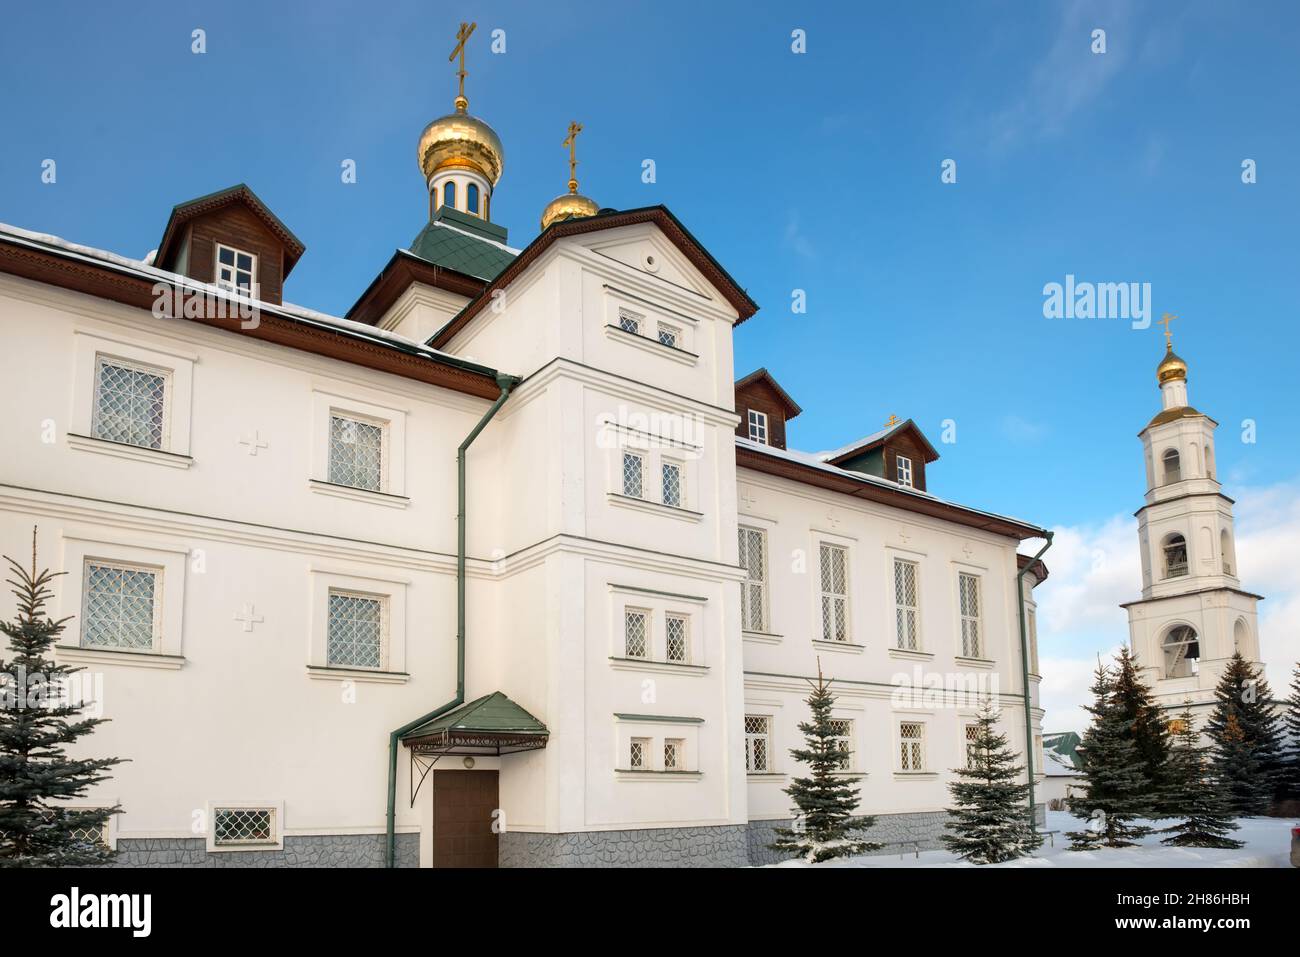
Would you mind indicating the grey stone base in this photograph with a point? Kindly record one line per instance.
(722, 846)
(332, 850)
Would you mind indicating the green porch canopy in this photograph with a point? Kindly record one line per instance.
(492, 724)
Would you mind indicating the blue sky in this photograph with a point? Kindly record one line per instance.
(818, 171)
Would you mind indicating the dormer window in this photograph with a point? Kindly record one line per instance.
(758, 426)
(236, 270)
(904, 470)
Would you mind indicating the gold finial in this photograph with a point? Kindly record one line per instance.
(893, 421)
(1169, 338)
(571, 141)
(462, 35)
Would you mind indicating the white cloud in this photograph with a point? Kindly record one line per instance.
(1096, 567)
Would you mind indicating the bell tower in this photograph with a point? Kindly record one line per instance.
(1193, 613)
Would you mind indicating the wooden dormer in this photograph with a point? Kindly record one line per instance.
(764, 409)
(899, 453)
(218, 237)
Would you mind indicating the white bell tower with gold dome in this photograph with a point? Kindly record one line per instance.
(460, 155)
(1193, 613)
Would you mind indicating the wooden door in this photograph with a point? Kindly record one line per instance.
(463, 802)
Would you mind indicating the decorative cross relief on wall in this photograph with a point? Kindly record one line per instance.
(903, 535)
(833, 519)
(747, 497)
(254, 442)
(967, 550)
(247, 617)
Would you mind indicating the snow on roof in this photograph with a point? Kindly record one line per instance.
(865, 440)
(1059, 765)
(483, 239)
(310, 316)
(814, 460)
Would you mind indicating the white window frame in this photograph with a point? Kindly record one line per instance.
(968, 743)
(639, 750)
(647, 632)
(968, 623)
(766, 737)
(627, 318)
(685, 620)
(903, 470)
(847, 740)
(899, 606)
(233, 285)
(361, 582)
(829, 599)
(623, 473)
(907, 764)
(89, 544)
(164, 423)
(382, 426)
(176, 366)
(751, 585)
(678, 745)
(276, 810)
(758, 427)
(366, 409)
(384, 617)
(671, 332)
(680, 468)
(155, 626)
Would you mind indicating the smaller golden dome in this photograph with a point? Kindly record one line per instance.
(1171, 367)
(568, 206)
(459, 139)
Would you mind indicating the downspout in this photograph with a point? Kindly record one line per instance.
(1024, 661)
(505, 383)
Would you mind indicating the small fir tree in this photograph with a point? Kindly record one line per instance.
(1291, 723)
(825, 800)
(37, 721)
(989, 821)
(1147, 730)
(1114, 793)
(1246, 739)
(1205, 818)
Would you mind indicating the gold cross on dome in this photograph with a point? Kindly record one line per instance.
(1165, 321)
(571, 141)
(893, 421)
(462, 35)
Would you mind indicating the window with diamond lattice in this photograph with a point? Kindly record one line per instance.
(972, 736)
(674, 754)
(758, 742)
(356, 453)
(667, 336)
(633, 472)
(753, 590)
(911, 737)
(121, 607)
(672, 483)
(906, 612)
(355, 638)
(635, 643)
(629, 323)
(130, 404)
(835, 593)
(676, 627)
(638, 753)
(243, 825)
(968, 590)
(843, 730)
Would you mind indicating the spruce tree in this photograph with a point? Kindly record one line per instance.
(37, 720)
(1147, 730)
(1291, 759)
(1205, 817)
(989, 823)
(1247, 746)
(825, 800)
(1114, 793)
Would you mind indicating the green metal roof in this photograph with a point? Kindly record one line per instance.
(464, 244)
(494, 712)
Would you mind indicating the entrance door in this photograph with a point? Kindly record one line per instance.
(463, 802)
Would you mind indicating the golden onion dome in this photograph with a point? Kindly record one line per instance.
(461, 140)
(1171, 367)
(570, 205)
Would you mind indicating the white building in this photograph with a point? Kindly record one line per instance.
(1193, 614)
(299, 643)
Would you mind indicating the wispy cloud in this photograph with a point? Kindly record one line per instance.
(796, 239)
(1020, 430)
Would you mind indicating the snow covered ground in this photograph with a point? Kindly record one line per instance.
(1268, 844)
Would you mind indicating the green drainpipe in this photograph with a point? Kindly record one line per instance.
(1024, 660)
(506, 383)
